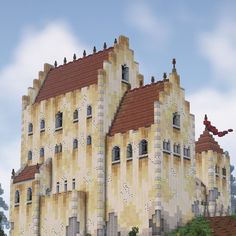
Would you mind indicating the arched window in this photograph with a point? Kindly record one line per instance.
(42, 125)
(143, 147)
(73, 183)
(30, 128)
(60, 148)
(29, 194)
(125, 72)
(176, 120)
(58, 187)
(56, 148)
(41, 152)
(75, 115)
(58, 120)
(17, 197)
(65, 185)
(129, 151)
(89, 111)
(29, 155)
(115, 153)
(75, 143)
(89, 140)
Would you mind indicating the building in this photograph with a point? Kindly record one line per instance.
(101, 152)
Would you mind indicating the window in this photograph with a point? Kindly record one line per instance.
(60, 147)
(42, 125)
(217, 170)
(73, 183)
(186, 151)
(115, 153)
(89, 111)
(75, 143)
(29, 194)
(75, 115)
(17, 197)
(29, 155)
(125, 72)
(166, 146)
(30, 129)
(65, 185)
(89, 140)
(58, 124)
(177, 149)
(58, 187)
(176, 120)
(224, 171)
(41, 152)
(56, 148)
(143, 147)
(129, 151)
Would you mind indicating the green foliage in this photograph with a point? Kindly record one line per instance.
(134, 231)
(197, 227)
(1, 230)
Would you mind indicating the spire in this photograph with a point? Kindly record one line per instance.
(173, 63)
(65, 61)
(74, 57)
(84, 53)
(152, 79)
(115, 41)
(164, 76)
(94, 49)
(55, 63)
(104, 45)
(13, 173)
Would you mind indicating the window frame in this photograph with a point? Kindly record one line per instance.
(143, 152)
(166, 146)
(75, 143)
(89, 140)
(29, 195)
(30, 128)
(59, 121)
(17, 198)
(41, 152)
(116, 154)
(176, 123)
(42, 128)
(129, 151)
(30, 155)
(125, 73)
(89, 111)
(75, 116)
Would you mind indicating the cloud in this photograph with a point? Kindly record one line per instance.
(144, 20)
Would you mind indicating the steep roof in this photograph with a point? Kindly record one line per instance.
(207, 142)
(136, 108)
(73, 75)
(27, 173)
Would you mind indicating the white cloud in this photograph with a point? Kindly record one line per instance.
(142, 18)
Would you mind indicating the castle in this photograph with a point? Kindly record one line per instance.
(101, 152)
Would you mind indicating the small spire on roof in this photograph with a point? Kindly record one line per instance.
(55, 63)
(74, 57)
(65, 61)
(104, 45)
(205, 118)
(13, 173)
(173, 63)
(164, 75)
(94, 49)
(152, 79)
(84, 53)
(115, 41)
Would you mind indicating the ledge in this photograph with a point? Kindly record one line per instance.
(42, 130)
(29, 202)
(167, 152)
(75, 120)
(187, 158)
(115, 162)
(129, 159)
(58, 128)
(17, 204)
(176, 127)
(30, 133)
(90, 116)
(143, 156)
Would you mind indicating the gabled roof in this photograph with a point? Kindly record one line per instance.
(73, 75)
(137, 108)
(207, 142)
(27, 173)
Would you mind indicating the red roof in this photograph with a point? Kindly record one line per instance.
(137, 108)
(27, 173)
(207, 142)
(73, 75)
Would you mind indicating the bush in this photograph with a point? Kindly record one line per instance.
(134, 231)
(197, 227)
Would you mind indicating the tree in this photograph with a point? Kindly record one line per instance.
(134, 231)
(233, 190)
(3, 219)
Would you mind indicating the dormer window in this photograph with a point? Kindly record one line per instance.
(176, 120)
(75, 143)
(30, 129)
(58, 124)
(116, 153)
(129, 151)
(30, 155)
(17, 197)
(176, 149)
(75, 116)
(42, 125)
(166, 146)
(125, 73)
(89, 140)
(29, 194)
(186, 152)
(89, 111)
(143, 147)
(41, 152)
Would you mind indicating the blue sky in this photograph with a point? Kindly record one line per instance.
(201, 36)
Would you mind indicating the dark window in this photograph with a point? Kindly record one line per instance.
(177, 149)
(166, 146)
(176, 120)
(59, 120)
(224, 171)
(65, 185)
(73, 184)
(56, 148)
(42, 125)
(17, 196)
(60, 147)
(41, 152)
(217, 169)
(143, 147)
(89, 111)
(29, 155)
(89, 140)
(76, 115)
(29, 194)
(125, 72)
(30, 128)
(115, 153)
(58, 187)
(129, 151)
(186, 152)
(75, 143)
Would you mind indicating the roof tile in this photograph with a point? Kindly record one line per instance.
(27, 173)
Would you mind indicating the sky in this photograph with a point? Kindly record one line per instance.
(201, 35)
